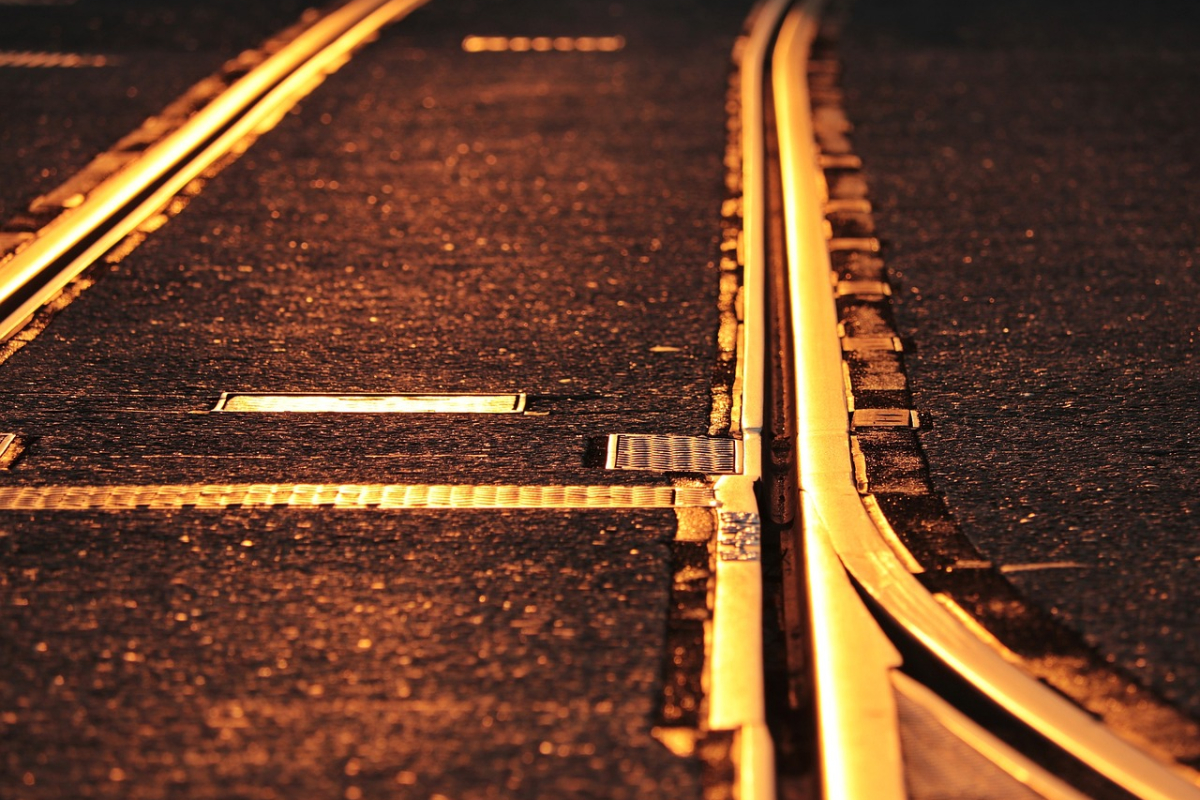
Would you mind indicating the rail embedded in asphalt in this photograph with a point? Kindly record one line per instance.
(99, 217)
(138, 191)
(837, 520)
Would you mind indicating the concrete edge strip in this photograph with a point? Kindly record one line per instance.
(375, 496)
(834, 509)
(252, 105)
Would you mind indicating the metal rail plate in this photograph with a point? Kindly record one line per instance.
(371, 403)
(886, 418)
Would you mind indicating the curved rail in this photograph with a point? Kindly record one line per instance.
(77, 238)
(834, 511)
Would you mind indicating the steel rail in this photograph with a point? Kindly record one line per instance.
(74, 240)
(859, 754)
(737, 694)
(835, 517)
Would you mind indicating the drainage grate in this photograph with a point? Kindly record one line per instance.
(657, 453)
(371, 403)
(347, 496)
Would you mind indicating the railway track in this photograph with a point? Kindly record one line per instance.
(891, 663)
(909, 697)
(138, 179)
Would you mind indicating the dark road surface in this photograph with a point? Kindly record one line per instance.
(1033, 168)
(435, 220)
(276, 653)
(430, 220)
(57, 119)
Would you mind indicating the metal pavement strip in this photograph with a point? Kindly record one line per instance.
(295, 402)
(543, 44)
(832, 503)
(119, 204)
(37, 59)
(128, 497)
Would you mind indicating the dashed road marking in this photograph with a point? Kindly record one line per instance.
(543, 44)
(34, 59)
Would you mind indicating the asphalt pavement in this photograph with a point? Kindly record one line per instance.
(441, 219)
(430, 220)
(1033, 172)
(56, 119)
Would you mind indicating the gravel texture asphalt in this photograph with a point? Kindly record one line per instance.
(1033, 170)
(57, 119)
(429, 220)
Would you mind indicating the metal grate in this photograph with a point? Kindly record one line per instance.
(362, 496)
(657, 453)
(371, 403)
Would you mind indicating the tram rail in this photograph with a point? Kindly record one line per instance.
(880, 641)
(879, 637)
